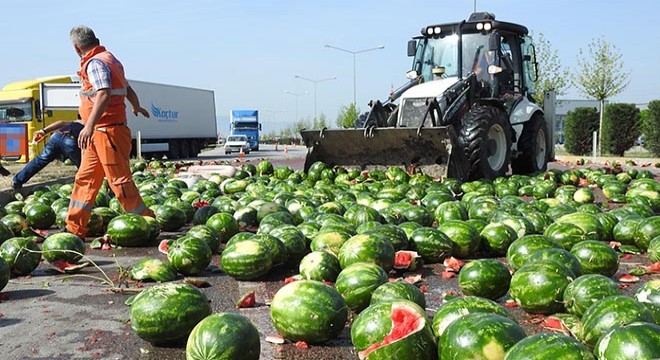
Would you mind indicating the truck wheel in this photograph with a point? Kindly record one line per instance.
(485, 137)
(533, 148)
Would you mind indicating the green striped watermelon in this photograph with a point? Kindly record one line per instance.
(465, 237)
(398, 290)
(224, 224)
(165, 314)
(636, 341)
(586, 290)
(357, 282)
(393, 330)
(189, 255)
(497, 237)
(308, 310)
(224, 336)
(654, 249)
(565, 234)
(320, 266)
(129, 230)
(431, 244)
(609, 313)
(479, 336)
(395, 234)
(459, 307)
(330, 241)
(646, 230)
(5, 273)
(367, 248)
(624, 231)
(587, 222)
(520, 250)
(548, 347)
(596, 257)
(246, 260)
(649, 295)
(559, 256)
(63, 247)
(153, 269)
(486, 278)
(539, 287)
(206, 233)
(21, 254)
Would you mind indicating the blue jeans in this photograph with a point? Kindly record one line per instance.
(59, 146)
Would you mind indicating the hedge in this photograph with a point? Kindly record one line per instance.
(651, 128)
(620, 128)
(578, 130)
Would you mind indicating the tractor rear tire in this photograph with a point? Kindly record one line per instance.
(533, 148)
(485, 137)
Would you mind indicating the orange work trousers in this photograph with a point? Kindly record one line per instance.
(106, 156)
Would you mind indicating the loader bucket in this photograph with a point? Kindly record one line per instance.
(430, 149)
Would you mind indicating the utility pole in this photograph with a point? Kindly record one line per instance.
(354, 71)
(315, 82)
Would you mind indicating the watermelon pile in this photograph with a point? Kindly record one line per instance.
(360, 245)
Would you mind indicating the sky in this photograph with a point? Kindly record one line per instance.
(249, 52)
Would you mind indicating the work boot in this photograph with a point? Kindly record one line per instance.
(4, 171)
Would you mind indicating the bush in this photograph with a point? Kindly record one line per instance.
(651, 128)
(578, 129)
(620, 128)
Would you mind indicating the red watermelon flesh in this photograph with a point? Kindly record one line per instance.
(406, 260)
(162, 247)
(405, 321)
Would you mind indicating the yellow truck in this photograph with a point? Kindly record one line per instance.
(21, 116)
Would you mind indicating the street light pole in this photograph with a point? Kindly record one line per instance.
(297, 96)
(315, 82)
(354, 67)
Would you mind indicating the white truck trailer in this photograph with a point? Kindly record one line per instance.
(182, 119)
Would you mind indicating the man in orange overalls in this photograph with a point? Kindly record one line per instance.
(105, 139)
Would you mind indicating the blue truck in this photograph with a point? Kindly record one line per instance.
(246, 122)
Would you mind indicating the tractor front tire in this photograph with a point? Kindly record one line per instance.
(533, 148)
(485, 138)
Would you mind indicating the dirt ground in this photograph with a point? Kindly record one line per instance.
(54, 170)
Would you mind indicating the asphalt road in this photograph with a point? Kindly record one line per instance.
(53, 316)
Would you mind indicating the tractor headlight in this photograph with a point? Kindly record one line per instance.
(488, 26)
(480, 26)
(429, 30)
(437, 30)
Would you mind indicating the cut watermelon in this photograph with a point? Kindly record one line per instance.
(67, 267)
(246, 301)
(162, 247)
(407, 260)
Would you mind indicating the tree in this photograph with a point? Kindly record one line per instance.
(600, 75)
(347, 116)
(551, 74)
(651, 127)
(578, 128)
(322, 122)
(620, 128)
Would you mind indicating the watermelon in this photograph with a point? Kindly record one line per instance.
(153, 269)
(320, 266)
(395, 234)
(609, 313)
(224, 224)
(624, 231)
(5, 273)
(165, 314)
(465, 237)
(224, 336)
(431, 244)
(308, 310)
(559, 256)
(393, 330)
(170, 218)
(486, 278)
(129, 230)
(520, 250)
(565, 234)
(497, 237)
(407, 260)
(539, 287)
(646, 230)
(247, 259)
(330, 241)
(596, 257)
(635, 341)
(39, 216)
(246, 217)
(587, 222)
(479, 336)
(459, 307)
(649, 295)
(21, 254)
(654, 249)
(203, 214)
(5, 233)
(294, 242)
(367, 248)
(64, 247)
(189, 255)
(357, 282)
(278, 251)
(586, 290)
(206, 233)
(450, 210)
(548, 347)
(398, 290)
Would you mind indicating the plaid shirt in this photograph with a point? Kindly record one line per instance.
(99, 74)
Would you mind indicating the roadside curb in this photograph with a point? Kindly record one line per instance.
(7, 194)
